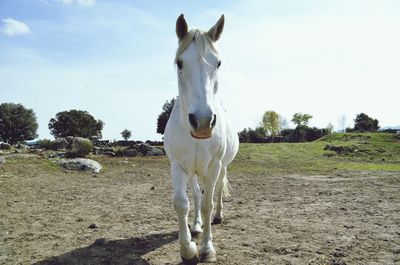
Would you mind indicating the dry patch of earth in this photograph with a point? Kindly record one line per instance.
(124, 215)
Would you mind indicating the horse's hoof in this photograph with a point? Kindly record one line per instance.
(217, 221)
(192, 261)
(209, 257)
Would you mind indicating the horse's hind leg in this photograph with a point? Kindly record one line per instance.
(221, 185)
(198, 223)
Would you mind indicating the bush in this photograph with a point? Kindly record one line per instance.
(45, 143)
(314, 133)
(80, 148)
(253, 136)
(303, 134)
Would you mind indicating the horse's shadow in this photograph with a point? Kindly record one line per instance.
(116, 252)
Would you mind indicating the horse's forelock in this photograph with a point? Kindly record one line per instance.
(201, 39)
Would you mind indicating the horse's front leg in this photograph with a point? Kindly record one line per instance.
(207, 251)
(198, 223)
(188, 248)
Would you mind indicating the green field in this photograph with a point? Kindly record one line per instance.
(355, 151)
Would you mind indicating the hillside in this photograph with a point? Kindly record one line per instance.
(335, 152)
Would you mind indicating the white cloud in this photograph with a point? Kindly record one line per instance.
(14, 27)
(79, 2)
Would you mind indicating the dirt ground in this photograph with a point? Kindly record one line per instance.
(46, 214)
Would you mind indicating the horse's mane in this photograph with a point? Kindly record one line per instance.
(201, 39)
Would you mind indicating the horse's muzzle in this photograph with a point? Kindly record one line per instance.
(201, 135)
(202, 127)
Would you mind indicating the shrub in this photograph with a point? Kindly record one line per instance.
(80, 148)
(250, 135)
(45, 143)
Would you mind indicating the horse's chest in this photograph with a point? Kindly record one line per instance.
(200, 159)
(205, 159)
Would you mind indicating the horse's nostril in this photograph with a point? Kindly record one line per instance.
(214, 121)
(192, 121)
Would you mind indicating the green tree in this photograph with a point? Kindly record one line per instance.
(364, 123)
(75, 123)
(271, 122)
(126, 134)
(164, 115)
(301, 120)
(17, 123)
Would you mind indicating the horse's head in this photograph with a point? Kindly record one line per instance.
(197, 64)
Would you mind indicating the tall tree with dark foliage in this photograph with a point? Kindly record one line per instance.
(75, 123)
(364, 123)
(17, 123)
(164, 115)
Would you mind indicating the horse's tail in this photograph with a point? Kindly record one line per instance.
(226, 186)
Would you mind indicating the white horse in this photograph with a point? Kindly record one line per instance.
(198, 139)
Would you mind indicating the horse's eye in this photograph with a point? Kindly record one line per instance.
(219, 64)
(179, 64)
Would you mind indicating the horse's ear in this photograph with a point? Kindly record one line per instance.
(215, 32)
(181, 27)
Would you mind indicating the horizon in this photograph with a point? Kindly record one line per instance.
(114, 59)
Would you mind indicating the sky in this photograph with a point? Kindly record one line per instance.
(114, 59)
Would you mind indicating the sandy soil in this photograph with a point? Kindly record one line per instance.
(45, 215)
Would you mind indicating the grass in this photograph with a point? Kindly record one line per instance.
(362, 151)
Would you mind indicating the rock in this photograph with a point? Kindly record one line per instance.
(37, 151)
(22, 146)
(69, 139)
(341, 149)
(2, 160)
(130, 152)
(59, 143)
(148, 150)
(5, 146)
(81, 164)
(80, 147)
(144, 148)
(101, 241)
(93, 226)
(80, 140)
(54, 154)
(99, 150)
(155, 152)
(108, 153)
